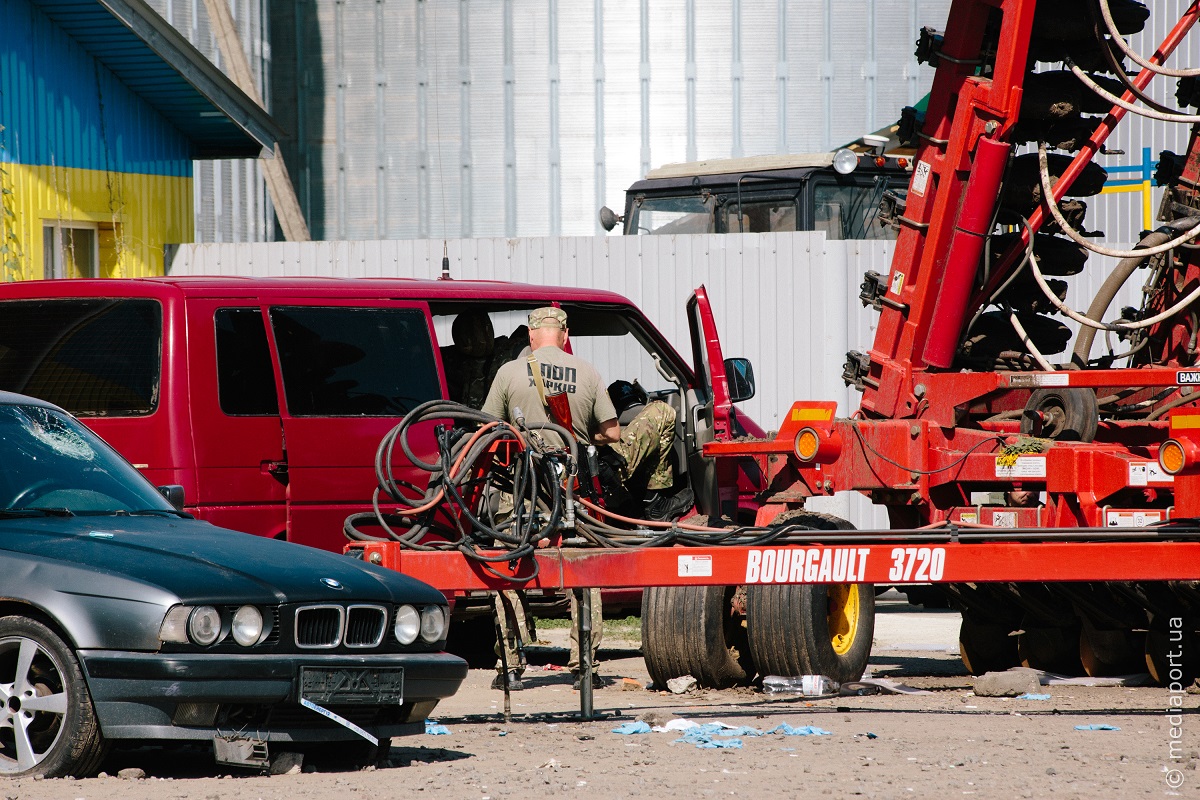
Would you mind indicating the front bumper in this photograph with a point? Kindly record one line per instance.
(139, 695)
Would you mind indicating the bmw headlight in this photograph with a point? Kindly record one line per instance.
(204, 625)
(433, 623)
(408, 624)
(247, 626)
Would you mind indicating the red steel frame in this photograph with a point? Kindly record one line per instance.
(872, 562)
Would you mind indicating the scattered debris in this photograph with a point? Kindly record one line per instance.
(867, 735)
(432, 728)
(682, 685)
(1097, 728)
(132, 773)
(1033, 696)
(630, 685)
(808, 730)
(553, 764)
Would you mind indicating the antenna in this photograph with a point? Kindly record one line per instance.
(445, 261)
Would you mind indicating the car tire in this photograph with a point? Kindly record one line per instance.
(60, 736)
(798, 629)
(694, 630)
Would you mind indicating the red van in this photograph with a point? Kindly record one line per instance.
(265, 399)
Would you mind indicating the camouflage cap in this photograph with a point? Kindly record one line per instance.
(548, 317)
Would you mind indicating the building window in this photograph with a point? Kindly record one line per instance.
(69, 250)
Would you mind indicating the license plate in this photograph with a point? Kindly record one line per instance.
(352, 685)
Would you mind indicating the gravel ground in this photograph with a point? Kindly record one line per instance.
(948, 743)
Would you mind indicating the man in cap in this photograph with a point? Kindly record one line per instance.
(644, 446)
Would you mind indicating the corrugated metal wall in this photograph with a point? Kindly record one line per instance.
(231, 200)
(522, 117)
(414, 119)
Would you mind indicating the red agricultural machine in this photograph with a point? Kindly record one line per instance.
(975, 414)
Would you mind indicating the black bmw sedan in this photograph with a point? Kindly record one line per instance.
(124, 618)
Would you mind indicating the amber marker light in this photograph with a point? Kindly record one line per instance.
(1172, 456)
(808, 443)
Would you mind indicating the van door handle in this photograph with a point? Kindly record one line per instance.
(277, 468)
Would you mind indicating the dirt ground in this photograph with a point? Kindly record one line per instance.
(948, 743)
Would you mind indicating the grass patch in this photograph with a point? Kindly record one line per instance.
(628, 627)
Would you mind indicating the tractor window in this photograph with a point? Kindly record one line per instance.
(762, 216)
(850, 211)
(669, 215)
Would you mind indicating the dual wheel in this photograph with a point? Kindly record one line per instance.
(723, 636)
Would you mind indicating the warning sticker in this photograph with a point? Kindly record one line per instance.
(1131, 519)
(1049, 379)
(1004, 519)
(897, 282)
(920, 181)
(1024, 467)
(1142, 473)
(970, 517)
(695, 566)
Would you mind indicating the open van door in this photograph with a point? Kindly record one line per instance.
(710, 412)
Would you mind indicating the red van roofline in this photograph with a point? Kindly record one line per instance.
(422, 288)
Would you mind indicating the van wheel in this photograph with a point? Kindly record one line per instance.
(796, 629)
(47, 722)
(697, 631)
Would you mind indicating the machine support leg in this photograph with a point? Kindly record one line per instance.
(504, 665)
(583, 601)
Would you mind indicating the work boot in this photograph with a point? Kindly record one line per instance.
(597, 681)
(663, 507)
(514, 681)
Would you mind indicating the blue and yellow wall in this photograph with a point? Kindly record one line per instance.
(79, 146)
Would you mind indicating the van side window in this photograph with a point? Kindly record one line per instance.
(347, 362)
(97, 357)
(245, 376)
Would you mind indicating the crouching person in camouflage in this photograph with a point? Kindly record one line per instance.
(644, 446)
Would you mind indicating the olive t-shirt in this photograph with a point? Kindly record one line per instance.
(561, 372)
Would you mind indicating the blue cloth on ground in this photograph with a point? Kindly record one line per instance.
(1032, 696)
(433, 729)
(807, 730)
(1097, 728)
(627, 728)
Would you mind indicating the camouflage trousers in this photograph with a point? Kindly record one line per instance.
(574, 660)
(648, 440)
(516, 629)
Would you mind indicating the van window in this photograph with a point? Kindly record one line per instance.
(346, 362)
(245, 377)
(93, 357)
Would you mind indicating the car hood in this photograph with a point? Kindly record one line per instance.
(198, 562)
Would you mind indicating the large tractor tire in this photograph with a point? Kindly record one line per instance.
(800, 629)
(695, 630)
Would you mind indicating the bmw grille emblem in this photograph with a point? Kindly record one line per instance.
(331, 583)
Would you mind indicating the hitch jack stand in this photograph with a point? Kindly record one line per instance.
(583, 633)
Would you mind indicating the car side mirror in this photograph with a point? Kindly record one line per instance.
(174, 495)
(740, 374)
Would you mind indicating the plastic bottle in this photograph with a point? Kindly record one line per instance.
(807, 685)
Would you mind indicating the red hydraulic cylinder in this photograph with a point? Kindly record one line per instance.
(963, 254)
